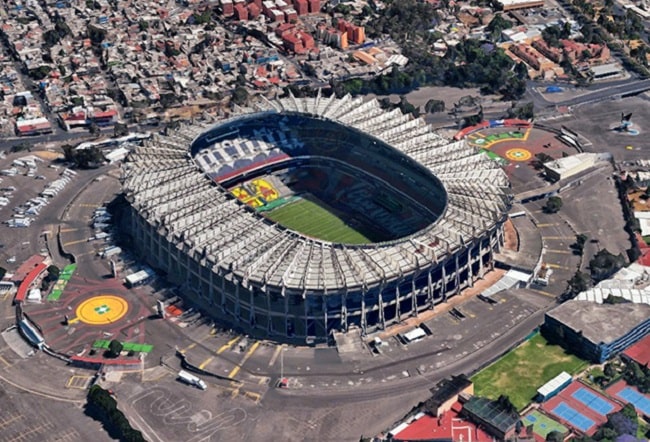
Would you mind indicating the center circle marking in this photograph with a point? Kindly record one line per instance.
(102, 309)
(518, 154)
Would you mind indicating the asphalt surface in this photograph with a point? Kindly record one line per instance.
(331, 395)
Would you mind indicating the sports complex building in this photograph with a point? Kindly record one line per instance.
(305, 216)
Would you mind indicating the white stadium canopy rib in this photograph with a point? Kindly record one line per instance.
(174, 192)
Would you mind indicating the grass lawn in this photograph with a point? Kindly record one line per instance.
(523, 370)
(307, 217)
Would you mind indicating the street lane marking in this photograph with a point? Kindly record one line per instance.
(563, 252)
(229, 344)
(4, 361)
(68, 230)
(558, 237)
(547, 225)
(206, 362)
(276, 353)
(542, 292)
(556, 266)
(248, 354)
(75, 242)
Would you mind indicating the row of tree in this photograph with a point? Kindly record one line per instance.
(603, 265)
(103, 407)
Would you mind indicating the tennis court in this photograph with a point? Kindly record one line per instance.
(580, 407)
(542, 424)
(591, 400)
(639, 400)
(573, 417)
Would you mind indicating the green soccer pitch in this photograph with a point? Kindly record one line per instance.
(314, 220)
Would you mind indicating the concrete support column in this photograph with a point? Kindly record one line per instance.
(398, 313)
(251, 307)
(457, 273)
(237, 306)
(470, 274)
(286, 315)
(344, 312)
(223, 294)
(444, 282)
(364, 320)
(491, 252)
(306, 315)
(414, 303)
(324, 301)
(431, 290)
(382, 318)
(269, 316)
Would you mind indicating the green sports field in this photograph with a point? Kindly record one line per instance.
(522, 371)
(307, 217)
(542, 425)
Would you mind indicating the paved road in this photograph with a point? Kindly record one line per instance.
(593, 94)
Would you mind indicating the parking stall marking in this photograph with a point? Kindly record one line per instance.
(248, 354)
(227, 345)
(78, 381)
(189, 347)
(8, 420)
(206, 362)
(276, 353)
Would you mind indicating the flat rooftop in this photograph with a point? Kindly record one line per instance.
(600, 322)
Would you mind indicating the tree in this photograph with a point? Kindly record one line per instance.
(554, 436)
(540, 159)
(579, 246)
(577, 284)
(53, 273)
(120, 130)
(604, 264)
(103, 407)
(553, 204)
(240, 96)
(94, 129)
(114, 348)
(609, 370)
(21, 146)
(433, 106)
(40, 72)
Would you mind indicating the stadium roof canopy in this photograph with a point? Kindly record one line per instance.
(163, 182)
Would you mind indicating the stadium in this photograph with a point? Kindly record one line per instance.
(304, 216)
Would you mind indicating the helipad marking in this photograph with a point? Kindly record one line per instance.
(519, 154)
(100, 310)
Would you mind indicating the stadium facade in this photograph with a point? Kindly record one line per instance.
(195, 215)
